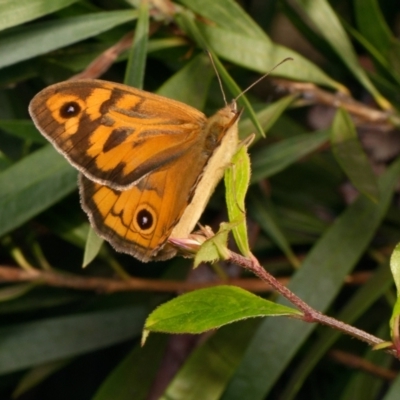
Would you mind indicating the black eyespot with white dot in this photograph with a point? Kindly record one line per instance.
(144, 219)
(70, 109)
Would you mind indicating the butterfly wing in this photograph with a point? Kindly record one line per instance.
(141, 157)
(139, 220)
(115, 135)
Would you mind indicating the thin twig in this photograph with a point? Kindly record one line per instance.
(309, 313)
(311, 93)
(111, 285)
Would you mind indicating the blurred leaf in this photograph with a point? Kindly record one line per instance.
(32, 185)
(351, 157)
(265, 117)
(92, 247)
(393, 392)
(13, 13)
(226, 13)
(31, 41)
(236, 39)
(324, 269)
(274, 158)
(191, 83)
(211, 364)
(37, 375)
(374, 28)
(24, 129)
(211, 308)
(134, 375)
(326, 21)
(359, 304)
(33, 343)
(134, 72)
(262, 211)
(15, 291)
(190, 25)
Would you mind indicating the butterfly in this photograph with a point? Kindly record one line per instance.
(148, 164)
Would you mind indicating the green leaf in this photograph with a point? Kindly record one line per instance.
(191, 83)
(365, 296)
(32, 185)
(92, 247)
(216, 247)
(395, 266)
(34, 40)
(329, 27)
(226, 13)
(394, 320)
(211, 364)
(237, 179)
(375, 30)
(33, 343)
(324, 270)
(394, 389)
(211, 308)
(134, 73)
(266, 117)
(190, 25)
(13, 292)
(37, 375)
(23, 129)
(14, 13)
(276, 157)
(262, 211)
(134, 375)
(351, 157)
(236, 38)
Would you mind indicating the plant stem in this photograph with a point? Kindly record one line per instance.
(309, 313)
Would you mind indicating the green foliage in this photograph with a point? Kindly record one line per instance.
(324, 145)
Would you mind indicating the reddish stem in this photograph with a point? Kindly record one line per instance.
(309, 313)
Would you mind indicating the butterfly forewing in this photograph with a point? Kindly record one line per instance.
(115, 135)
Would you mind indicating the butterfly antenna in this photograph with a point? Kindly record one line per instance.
(265, 75)
(218, 77)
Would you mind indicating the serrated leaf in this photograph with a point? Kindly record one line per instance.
(215, 248)
(237, 179)
(395, 266)
(210, 308)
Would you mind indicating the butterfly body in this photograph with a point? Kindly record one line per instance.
(148, 164)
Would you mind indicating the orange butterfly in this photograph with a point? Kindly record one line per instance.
(148, 164)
